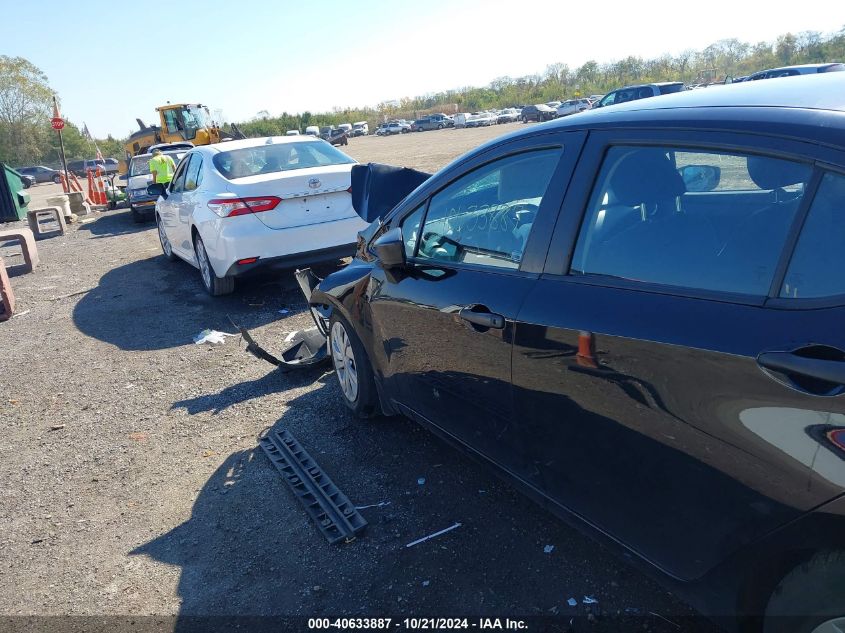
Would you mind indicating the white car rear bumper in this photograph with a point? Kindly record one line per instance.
(246, 237)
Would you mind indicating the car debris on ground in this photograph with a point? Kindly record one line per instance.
(431, 536)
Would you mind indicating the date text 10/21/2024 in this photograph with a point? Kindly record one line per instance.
(417, 624)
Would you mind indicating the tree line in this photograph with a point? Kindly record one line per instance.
(26, 96)
(730, 57)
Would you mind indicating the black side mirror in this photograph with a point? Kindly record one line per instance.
(390, 249)
(157, 189)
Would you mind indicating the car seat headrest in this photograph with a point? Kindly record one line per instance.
(768, 173)
(646, 176)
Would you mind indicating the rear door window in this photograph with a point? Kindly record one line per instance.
(656, 215)
(817, 267)
(193, 175)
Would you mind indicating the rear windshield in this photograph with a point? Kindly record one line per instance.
(268, 159)
(141, 166)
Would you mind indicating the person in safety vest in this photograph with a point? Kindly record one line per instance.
(162, 167)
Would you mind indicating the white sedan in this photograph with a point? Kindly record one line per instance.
(265, 202)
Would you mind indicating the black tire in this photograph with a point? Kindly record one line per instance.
(112, 205)
(811, 594)
(57, 180)
(365, 402)
(166, 250)
(440, 126)
(214, 285)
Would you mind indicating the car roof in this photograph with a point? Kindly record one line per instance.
(797, 66)
(825, 91)
(659, 84)
(226, 146)
(169, 152)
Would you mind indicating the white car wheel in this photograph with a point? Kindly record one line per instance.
(343, 357)
(215, 285)
(166, 247)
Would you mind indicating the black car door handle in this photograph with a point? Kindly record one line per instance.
(483, 319)
(832, 371)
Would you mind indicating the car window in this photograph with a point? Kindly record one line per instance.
(815, 269)
(608, 99)
(485, 217)
(193, 175)
(411, 230)
(649, 220)
(178, 183)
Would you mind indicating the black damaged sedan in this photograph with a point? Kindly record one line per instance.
(638, 316)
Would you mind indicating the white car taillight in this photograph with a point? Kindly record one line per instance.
(231, 207)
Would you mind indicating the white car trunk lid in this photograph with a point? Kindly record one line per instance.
(309, 196)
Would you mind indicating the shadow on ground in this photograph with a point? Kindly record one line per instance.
(155, 304)
(118, 222)
(272, 382)
(249, 549)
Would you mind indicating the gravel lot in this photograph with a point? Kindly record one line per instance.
(132, 482)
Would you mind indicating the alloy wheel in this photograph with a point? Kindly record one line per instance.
(834, 625)
(162, 236)
(205, 265)
(343, 357)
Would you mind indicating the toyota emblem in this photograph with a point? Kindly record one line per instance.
(314, 183)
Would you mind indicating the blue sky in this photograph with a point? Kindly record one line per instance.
(110, 63)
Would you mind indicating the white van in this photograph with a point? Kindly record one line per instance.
(292, 133)
(461, 119)
(313, 130)
(360, 128)
(346, 127)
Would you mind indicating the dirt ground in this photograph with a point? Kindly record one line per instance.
(132, 483)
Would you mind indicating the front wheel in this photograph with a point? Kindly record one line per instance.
(352, 368)
(810, 599)
(214, 285)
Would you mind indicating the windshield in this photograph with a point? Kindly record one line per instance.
(268, 159)
(140, 165)
(195, 117)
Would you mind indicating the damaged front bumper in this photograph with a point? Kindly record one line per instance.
(307, 348)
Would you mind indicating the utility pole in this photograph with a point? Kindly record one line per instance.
(57, 122)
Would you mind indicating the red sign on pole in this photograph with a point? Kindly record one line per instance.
(57, 122)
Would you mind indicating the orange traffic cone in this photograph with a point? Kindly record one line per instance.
(92, 196)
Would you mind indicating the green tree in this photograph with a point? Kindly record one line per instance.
(25, 99)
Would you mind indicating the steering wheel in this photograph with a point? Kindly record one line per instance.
(431, 241)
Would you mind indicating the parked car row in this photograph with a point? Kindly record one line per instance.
(40, 173)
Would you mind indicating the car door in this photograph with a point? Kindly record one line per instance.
(642, 358)
(169, 209)
(475, 247)
(190, 197)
